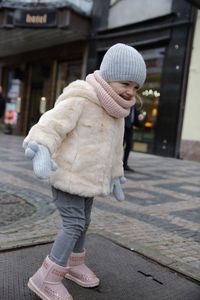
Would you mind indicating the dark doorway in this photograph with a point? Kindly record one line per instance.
(34, 112)
(38, 89)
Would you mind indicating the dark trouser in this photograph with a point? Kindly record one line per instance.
(128, 143)
(75, 212)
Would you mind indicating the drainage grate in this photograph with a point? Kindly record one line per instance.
(149, 276)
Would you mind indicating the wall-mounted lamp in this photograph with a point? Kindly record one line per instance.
(43, 104)
(154, 112)
(18, 105)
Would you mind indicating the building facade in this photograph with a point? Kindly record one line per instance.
(46, 44)
(164, 33)
(43, 47)
(190, 135)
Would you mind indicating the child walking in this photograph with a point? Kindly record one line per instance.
(78, 146)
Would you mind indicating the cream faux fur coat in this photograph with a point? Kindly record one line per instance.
(85, 142)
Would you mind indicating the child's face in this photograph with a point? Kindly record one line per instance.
(125, 89)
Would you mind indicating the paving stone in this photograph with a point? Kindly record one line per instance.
(13, 208)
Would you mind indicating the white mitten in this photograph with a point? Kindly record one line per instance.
(116, 188)
(43, 165)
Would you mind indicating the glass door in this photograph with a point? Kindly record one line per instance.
(67, 72)
(39, 89)
(144, 135)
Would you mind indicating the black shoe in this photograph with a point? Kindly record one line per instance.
(127, 168)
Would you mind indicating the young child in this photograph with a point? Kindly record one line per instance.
(79, 145)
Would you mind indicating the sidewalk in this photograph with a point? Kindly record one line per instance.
(124, 275)
(159, 219)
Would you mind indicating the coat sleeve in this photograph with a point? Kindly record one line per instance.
(53, 125)
(117, 169)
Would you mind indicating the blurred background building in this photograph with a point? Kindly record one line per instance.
(44, 45)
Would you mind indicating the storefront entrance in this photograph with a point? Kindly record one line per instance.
(144, 135)
(39, 89)
(67, 72)
(45, 86)
(35, 96)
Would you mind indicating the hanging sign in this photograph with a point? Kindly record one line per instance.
(35, 18)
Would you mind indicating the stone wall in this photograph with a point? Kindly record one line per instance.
(190, 150)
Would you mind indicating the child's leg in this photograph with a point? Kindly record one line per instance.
(79, 246)
(47, 281)
(72, 211)
(77, 269)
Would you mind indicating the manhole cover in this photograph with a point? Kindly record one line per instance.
(13, 208)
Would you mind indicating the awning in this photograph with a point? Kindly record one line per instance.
(23, 30)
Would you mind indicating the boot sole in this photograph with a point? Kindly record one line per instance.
(81, 283)
(34, 289)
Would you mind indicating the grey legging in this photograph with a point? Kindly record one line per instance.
(75, 212)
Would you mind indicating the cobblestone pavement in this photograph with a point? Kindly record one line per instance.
(160, 217)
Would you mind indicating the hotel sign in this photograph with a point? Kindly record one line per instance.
(39, 18)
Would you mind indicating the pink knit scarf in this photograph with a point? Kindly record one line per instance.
(115, 105)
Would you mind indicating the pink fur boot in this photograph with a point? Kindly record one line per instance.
(46, 283)
(78, 272)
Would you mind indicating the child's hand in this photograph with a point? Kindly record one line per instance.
(43, 165)
(116, 188)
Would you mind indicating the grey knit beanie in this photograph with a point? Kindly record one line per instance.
(123, 62)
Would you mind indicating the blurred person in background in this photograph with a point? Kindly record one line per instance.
(134, 119)
(2, 107)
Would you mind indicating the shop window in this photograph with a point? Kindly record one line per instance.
(150, 94)
(13, 80)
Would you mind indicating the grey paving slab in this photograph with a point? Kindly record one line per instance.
(191, 214)
(124, 275)
(183, 187)
(134, 195)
